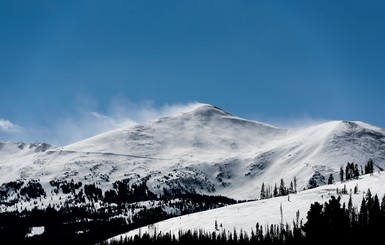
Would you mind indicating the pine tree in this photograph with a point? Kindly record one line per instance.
(263, 192)
(383, 206)
(369, 167)
(356, 189)
(268, 192)
(369, 196)
(335, 218)
(363, 215)
(216, 225)
(350, 210)
(356, 171)
(291, 189)
(375, 212)
(314, 227)
(275, 192)
(341, 174)
(282, 188)
(349, 171)
(312, 183)
(330, 179)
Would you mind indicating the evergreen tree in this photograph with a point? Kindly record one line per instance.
(375, 213)
(268, 192)
(275, 192)
(263, 192)
(356, 189)
(216, 225)
(335, 217)
(312, 183)
(356, 172)
(350, 210)
(314, 227)
(349, 171)
(363, 215)
(382, 207)
(369, 167)
(291, 189)
(330, 179)
(282, 188)
(341, 174)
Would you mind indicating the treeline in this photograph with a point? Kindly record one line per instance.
(328, 223)
(352, 171)
(91, 223)
(268, 192)
(24, 191)
(275, 234)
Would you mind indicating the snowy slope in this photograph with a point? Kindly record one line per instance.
(267, 211)
(205, 150)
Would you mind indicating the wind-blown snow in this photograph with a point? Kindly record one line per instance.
(206, 150)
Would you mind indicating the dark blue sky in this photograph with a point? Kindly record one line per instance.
(273, 61)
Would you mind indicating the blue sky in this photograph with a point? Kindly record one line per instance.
(71, 69)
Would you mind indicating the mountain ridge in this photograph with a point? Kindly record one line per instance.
(204, 150)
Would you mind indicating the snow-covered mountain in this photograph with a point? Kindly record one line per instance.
(205, 150)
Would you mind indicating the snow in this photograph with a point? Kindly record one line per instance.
(267, 211)
(37, 230)
(208, 145)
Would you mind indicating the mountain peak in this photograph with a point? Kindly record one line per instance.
(207, 110)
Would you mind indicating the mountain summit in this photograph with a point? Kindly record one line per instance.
(204, 129)
(204, 150)
(208, 110)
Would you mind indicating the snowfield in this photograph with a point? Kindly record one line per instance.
(205, 150)
(245, 216)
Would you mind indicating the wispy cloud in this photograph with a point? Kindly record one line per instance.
(301, 121)
(8, 127)
(87, 121)
(121, 113)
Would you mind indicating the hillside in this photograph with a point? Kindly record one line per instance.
(245, 216)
